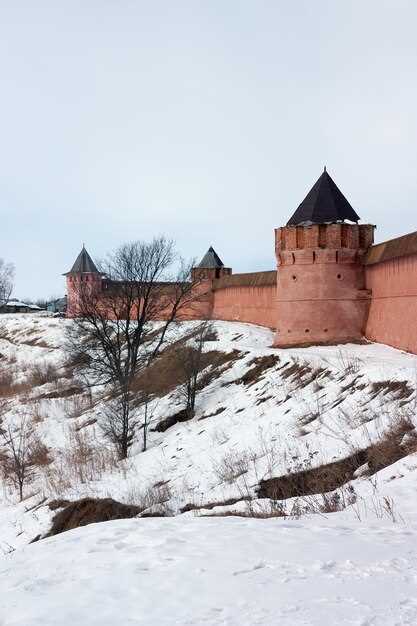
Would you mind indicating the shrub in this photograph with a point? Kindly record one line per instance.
(42, 373)
(232, 465)
(80, 462)
(156, 495)
(6, 383)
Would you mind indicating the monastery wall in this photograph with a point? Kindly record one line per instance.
(327, 288)
(247, 298)
(391, 274)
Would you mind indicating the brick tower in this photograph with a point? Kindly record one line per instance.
(203, 276)
(321, 295)
(83, 275)
(210, 267)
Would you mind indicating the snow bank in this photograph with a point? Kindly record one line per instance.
(218, 571)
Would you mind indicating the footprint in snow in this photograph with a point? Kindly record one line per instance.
(260, 565)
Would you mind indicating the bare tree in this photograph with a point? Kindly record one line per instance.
(113, 329)
(148, 406)
(191, 363)
(16, 456)
(6, 281)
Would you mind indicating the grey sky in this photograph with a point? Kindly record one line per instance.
(206, 120)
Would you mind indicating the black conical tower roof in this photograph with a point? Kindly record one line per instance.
(84, 264)
(211, 260)
(324, 203)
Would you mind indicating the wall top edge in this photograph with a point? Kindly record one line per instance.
(392, 249)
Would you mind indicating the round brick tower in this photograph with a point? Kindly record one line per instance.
(321, 295)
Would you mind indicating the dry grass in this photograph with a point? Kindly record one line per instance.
(154, 500)
(42, 373)
(317, 480)
(252, 513)
(216, 412)
(192, 506)
(219, 363)
(348, 364)
(164, 375)
(80, 462)
(90, 511)
(302, 374)
(400, 389)
(399, 441)
(40, 455)
(258, 367)
(232, 465)
(8, 385)
(62, 390)
(171, 420)
(77, 405)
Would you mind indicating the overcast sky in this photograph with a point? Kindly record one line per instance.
(205, 120)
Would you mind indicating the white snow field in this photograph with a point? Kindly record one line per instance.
(230, 571)
(354, 566)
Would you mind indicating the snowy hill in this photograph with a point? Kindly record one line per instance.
(320, 439)
(218, 571)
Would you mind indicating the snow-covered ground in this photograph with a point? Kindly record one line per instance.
(309, 407)
(161, 572)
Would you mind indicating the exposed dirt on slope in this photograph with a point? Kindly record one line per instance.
(89, 511)
(259, 365)
(397, 443)
(312, 481)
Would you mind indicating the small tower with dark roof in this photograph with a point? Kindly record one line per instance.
(82, 275)
(321, 295)
(210, 267)
(83, 264)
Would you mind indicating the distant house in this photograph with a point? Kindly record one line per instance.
(57, 306)
(16, 306)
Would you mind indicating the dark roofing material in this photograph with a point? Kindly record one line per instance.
(392, 249)
(251, 279)
(324, 203)
(84, 264)
(210, 260)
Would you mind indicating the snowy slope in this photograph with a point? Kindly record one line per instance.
(161, 572)
(313, 406)
(356, 566)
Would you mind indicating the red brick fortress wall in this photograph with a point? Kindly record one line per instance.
(391, 274)
(247, 298)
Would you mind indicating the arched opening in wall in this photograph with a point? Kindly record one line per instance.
(339, 276)
(294, 277)
(326, 330)
(307, 330)
(217, 272)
